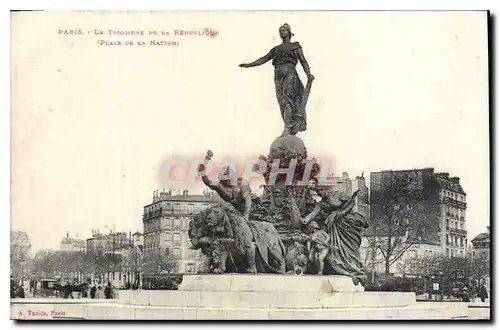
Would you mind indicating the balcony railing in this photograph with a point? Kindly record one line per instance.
(458, 231)
(183, 211)
(454, 202)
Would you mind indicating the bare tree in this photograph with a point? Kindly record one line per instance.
(97, 261)
(478, 266)
(68, 264)
(404, 267)
(113, 263)
(371, 255)
(161, 262)
(394, 226)
(133, 263)
(425, 267)
(44, 263)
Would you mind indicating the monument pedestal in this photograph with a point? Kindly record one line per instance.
(264, 296)
(247, 297)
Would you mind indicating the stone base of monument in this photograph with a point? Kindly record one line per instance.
(264, 296)
(246, 297)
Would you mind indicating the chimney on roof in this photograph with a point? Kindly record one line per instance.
(185, 193)
(488, 230)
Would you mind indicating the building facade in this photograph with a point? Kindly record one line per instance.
(433, 205)
(20, 244)
(453, 215)
(20, 250)
(481, 251)
(73, 244)
(111, 246)
(111, 243)
(481, 243)
(166, 224)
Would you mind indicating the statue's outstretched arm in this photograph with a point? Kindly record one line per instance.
(264, 59)
(204, 177)
(296, 217)
(312, 215)
(209, 183)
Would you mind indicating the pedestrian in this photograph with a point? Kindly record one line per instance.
(20, 293)
(99, 288)
(108, 291)
(465, 295)
(483, 293)
(13, 288)
(68, 291)
(93, 290)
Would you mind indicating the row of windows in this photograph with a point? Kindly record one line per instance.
(182, 253)
(168, 238)
(453, 195)
(175, 208)
(166, 223)
(455, 239)
(413, 253)
(455, 224)
(451, 211)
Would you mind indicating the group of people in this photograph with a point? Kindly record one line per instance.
(16, 290)
(482, 293)
(97, 288)
(93, 289)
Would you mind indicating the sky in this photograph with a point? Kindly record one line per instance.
(93, 124)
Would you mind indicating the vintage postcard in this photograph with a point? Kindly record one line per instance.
(309, 165)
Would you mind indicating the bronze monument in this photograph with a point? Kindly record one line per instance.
(285, 230)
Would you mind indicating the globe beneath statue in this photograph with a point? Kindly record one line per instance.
(288, 147)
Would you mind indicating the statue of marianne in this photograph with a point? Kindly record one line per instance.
(290, 92)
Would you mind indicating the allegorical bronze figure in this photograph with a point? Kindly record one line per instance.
(286, 230)
(290, 92)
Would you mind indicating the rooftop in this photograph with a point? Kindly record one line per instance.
(481, 237)
(74, 241)
(449, 183)
(206, 196)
